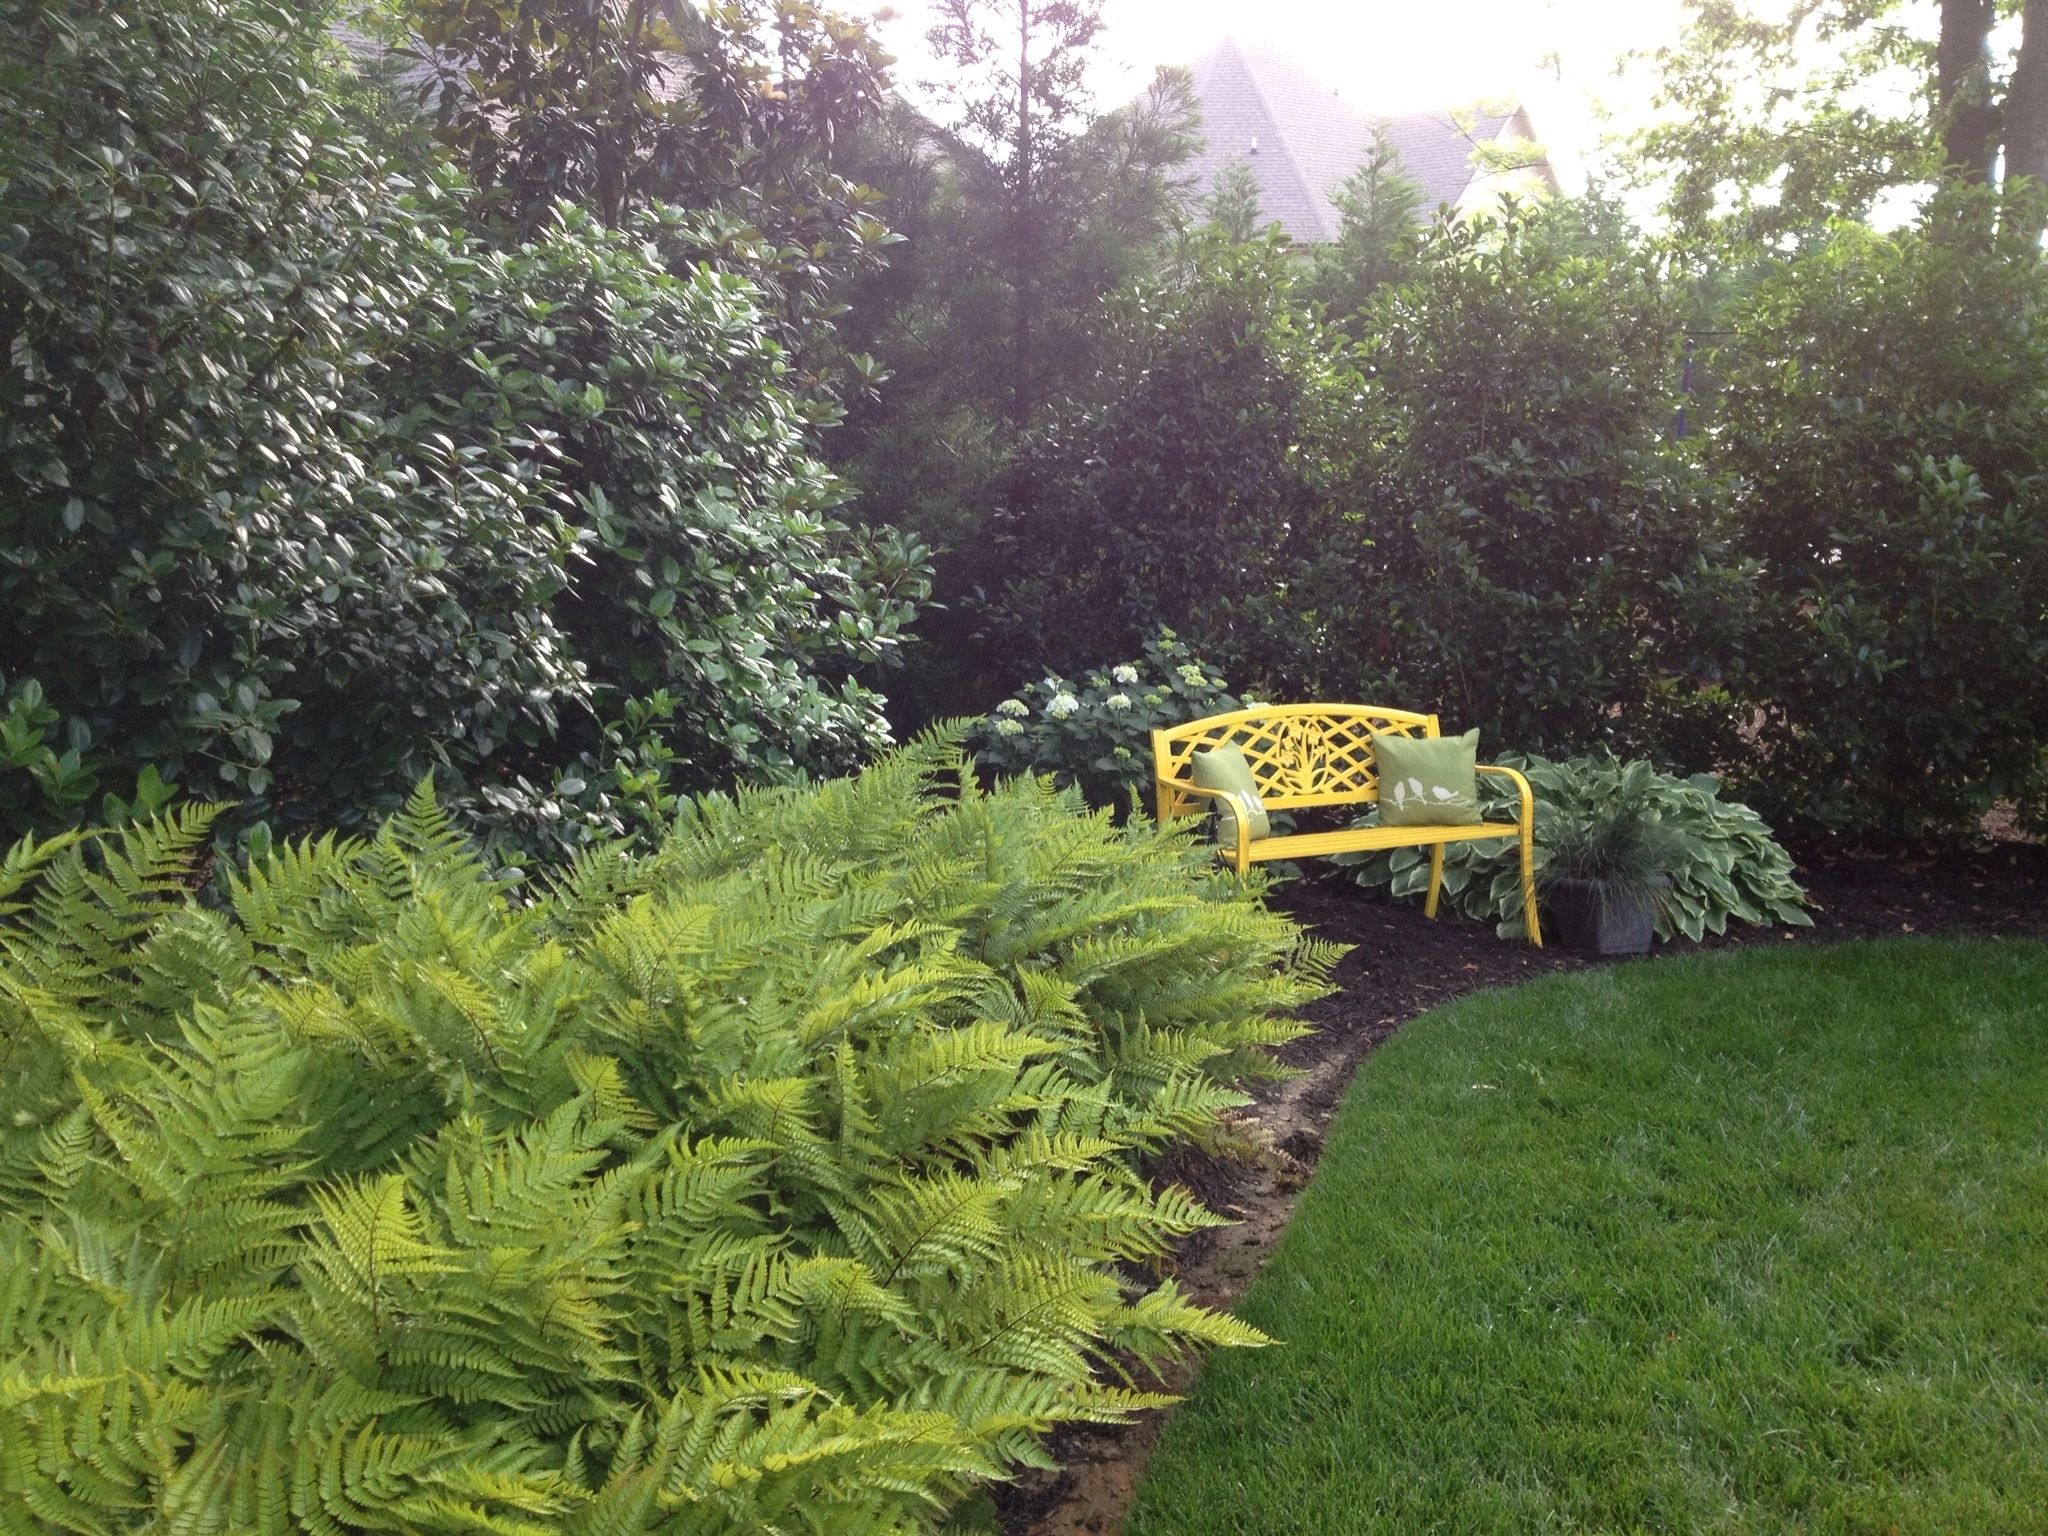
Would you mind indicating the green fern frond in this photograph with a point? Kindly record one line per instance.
(783, 1176)
(1161, 1324)
(26, 859)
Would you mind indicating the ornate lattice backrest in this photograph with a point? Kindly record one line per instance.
(1300, 754)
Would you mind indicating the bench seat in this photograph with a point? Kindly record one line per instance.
(1306, 755)
(1316, 845)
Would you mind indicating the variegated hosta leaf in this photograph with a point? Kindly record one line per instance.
(1726, 864)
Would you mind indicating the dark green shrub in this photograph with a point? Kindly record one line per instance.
(306, 489)
(1723, 862)
(1476, 510)
(195, 504)
(1096, 732)
(1201, 481)
(782, 1177)
(663, 429)
(1885, 405)
(1543, 561)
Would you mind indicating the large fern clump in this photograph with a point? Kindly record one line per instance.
(786, 1177)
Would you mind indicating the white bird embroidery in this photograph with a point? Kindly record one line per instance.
(1441, 793)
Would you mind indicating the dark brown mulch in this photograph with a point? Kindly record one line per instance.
(1402, 965)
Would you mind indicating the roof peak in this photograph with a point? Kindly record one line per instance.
(1302, 137)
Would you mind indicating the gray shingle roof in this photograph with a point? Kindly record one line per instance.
(1301, 140)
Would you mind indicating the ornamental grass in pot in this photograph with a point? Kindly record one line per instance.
(1606, 874)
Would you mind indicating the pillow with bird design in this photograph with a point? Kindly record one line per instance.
(1428, 781)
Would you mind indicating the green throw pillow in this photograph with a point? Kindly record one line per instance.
(1428, 782)
(1224, 767)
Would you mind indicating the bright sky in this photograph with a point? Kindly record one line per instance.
(1556, 56)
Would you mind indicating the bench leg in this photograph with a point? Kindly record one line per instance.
(1436, 879)
(1529, 919)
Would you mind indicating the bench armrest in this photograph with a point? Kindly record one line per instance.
(1239, 804)
(1521, 786)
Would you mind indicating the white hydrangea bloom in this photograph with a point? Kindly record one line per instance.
(1118, 701)
(1124, 674)
(1062, 705)
(1015, 708)
(1008, 727)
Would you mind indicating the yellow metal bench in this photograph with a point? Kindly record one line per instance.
(1321, 754)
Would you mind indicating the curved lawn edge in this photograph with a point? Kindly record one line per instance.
(1749, 1241)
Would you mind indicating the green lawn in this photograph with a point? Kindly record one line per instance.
(1750, 1242)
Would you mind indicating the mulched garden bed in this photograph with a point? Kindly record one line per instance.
(1403, 965)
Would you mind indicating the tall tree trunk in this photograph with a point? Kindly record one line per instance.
(612, 91)
(1023, 235)
(2026, 100)
(1962, 89)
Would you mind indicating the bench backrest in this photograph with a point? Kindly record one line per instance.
(1300, 754)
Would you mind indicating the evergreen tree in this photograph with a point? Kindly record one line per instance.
(933, 447)
(1379, 238)
(1233, 204)
(734, 113)
(1019, 100)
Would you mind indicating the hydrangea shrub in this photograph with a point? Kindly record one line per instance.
(1095, 731)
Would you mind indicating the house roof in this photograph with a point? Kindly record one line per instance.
(1302, 140)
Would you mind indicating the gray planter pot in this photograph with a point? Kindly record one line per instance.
(1601, 917)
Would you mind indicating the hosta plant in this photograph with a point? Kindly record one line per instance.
(1720, 857)
(783, 1177)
